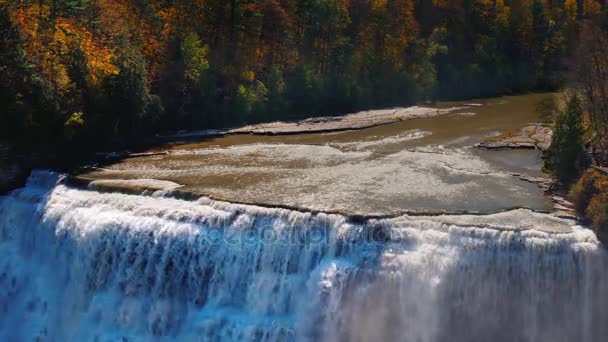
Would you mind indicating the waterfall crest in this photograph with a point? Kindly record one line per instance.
(79, 265)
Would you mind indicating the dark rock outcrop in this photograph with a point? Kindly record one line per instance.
(11, 170)
(16, 165)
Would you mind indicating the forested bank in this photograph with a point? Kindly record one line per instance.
(109, 71)
(578, 155)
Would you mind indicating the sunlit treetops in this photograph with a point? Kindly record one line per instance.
(204, 63)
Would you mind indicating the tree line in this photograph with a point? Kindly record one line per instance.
(111, 71)
(579, 149)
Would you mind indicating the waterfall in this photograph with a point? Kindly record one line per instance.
(81, 265)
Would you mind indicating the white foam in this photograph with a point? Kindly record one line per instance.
(151, 184)
(374, 141)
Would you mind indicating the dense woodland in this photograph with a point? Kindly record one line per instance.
(111, 71)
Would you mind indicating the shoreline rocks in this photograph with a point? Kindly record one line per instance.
(530, 137)
(536, 137)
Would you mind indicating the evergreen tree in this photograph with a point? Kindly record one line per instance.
(565, 156)
(30, 110)
(129, 95)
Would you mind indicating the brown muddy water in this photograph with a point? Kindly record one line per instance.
(423, 165)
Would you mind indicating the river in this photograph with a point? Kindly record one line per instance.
(422, 165)
(404, 232)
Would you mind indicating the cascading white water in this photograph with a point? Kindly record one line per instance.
(79, 265)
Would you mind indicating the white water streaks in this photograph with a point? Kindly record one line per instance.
(371, 142)
(79, 265)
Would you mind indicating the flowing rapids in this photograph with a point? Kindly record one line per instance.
(79, 265)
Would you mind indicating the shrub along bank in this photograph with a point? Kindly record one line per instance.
(590, 197)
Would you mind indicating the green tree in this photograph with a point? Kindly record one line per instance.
(565, 155)
(129, 95)
(30, 109)
(251, 101)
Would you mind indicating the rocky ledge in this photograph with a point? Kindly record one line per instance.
(11, 170)
(16, 164)
(510, 219)
(530, 137)
(354, 121)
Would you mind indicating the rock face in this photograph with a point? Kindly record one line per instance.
(529, 137)
(11, 172)
(15, 165)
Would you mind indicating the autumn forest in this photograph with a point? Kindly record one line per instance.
(109, 71)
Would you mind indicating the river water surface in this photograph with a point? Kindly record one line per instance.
(424, 165)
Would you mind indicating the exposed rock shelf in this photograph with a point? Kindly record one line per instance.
(529, 137)
(360, 120)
